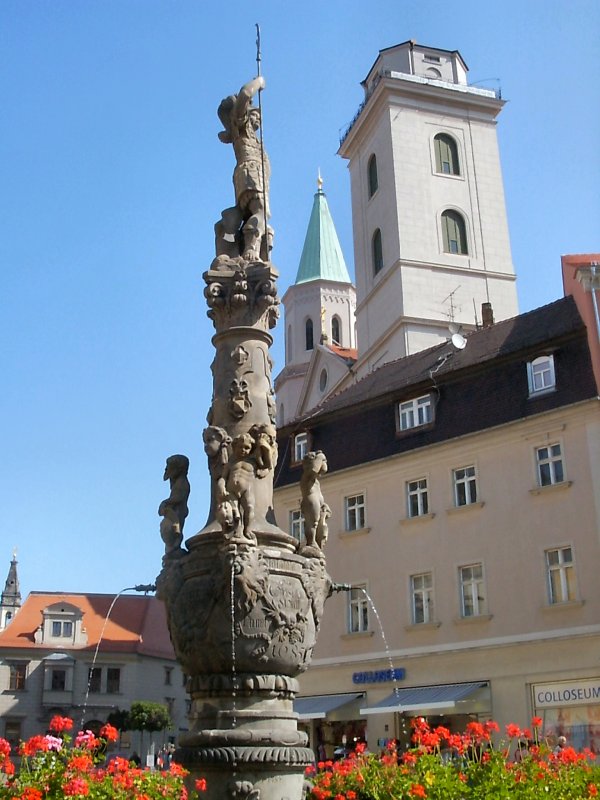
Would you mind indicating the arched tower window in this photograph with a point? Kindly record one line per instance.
(446, 154)
(377, 251)
(454, 232)
(372, 175)
(309, 334)
(336, 330)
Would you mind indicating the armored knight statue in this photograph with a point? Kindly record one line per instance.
(242, 228)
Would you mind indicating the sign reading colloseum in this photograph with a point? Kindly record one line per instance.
(566, 693)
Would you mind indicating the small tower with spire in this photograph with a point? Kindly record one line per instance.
(10, 600)
(319, 308)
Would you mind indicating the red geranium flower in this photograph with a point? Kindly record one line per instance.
(201, 784)
(59, 724)
(416, 790)
(109, 732)
(34, 745)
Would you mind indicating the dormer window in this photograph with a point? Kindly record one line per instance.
(415, 413)
(541, 376)
(62, 625)
(300, 446)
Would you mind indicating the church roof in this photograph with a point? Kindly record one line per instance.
(322, 257)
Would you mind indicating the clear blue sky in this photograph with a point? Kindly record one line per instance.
(112, 179)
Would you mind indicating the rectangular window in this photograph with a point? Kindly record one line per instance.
(472, 591)
(300, 446)
(58, 681)
(549, 465)
(358, 610)
(113, 680)
(62, 629)
(168, 675)
(417, 500)
(561, 575)
(12, 732)
(18, 674)
(297, 525)
(95, 679)
(421, 587)
(355, 512)
(414, 413)
(465, 486)
(540, 374)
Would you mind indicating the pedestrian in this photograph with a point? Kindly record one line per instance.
(561, 743)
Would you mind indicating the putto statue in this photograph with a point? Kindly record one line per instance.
(314, 509)
(174, 509)
(243, 229)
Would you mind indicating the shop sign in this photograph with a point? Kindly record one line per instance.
(379, 676)
(567, 693)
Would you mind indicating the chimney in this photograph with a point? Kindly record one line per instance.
(487, 315)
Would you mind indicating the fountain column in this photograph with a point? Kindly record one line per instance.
(243, 601)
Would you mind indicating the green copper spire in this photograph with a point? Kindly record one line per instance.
(322, 257)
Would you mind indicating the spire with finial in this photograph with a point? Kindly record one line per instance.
(10, 600)
(322, 257)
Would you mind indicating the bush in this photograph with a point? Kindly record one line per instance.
(445, 766)
(53, 767)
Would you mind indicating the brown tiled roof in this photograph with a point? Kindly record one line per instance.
(523, 333)
(136, 624)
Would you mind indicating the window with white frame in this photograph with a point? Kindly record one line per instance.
(540, 375)
(561, 575)
(300, 446)
(355, 512)
(465, 486)
(358, 610)
(472, 591)
(421, 589)
(62, 629)
(417, 498)
(297, 525)
(549, 465)
(414, 413)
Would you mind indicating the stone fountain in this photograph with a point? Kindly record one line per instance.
(243, 598)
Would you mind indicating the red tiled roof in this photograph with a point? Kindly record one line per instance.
(344, 352)
(136, 624)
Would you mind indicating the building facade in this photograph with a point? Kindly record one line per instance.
(463, 485)
(85, 656)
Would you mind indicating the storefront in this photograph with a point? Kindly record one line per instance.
(333, 722)
(571, 709)
(450, 704)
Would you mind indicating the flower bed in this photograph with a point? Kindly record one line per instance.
(54, 767)
(468, 766)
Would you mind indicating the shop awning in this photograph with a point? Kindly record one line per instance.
(420, 698)
(318, 706)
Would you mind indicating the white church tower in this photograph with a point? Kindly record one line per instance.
(431, 242)
(319, 308)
